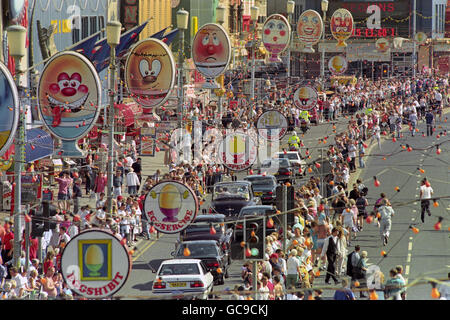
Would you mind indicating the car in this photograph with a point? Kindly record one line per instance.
(210, 253)
(260, 210)
(229, 197)
(264, 187)
(281, 168)
(200, 229)
(296, 160)
(178, 277)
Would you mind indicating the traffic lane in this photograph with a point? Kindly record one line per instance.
(401, 170)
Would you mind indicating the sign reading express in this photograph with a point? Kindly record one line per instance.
(95, 264)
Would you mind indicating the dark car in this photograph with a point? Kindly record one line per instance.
(264, 187)
(281, 168)
(210, 253)
(256, 211)
(229, 197)
(200, 229)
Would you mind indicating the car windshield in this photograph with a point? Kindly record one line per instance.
(179, 269)
(231, 191)
(261, 181)
(290, 156)
(283, 163)
(198, 250)
(203, 227)
(254, 211)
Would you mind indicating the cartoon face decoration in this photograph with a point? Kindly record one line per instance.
(211, 51)
(341, 26)
(382, 45)
(306, 98)
(276, 35)
(150, 72)
(337, 65)
(69, 96)
(9, 109)
(309, 29)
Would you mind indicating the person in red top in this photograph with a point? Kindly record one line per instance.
(33, 246)
(7, 243)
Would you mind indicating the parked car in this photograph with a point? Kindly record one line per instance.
(295, 159)
(256, 211)
(229, 197)
(200, 229)
(264, 187)
(281, 168)
(183, 276)
(215, 259)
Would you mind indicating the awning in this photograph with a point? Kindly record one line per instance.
(127, 113)
(39, 145)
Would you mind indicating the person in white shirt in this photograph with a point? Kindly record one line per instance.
(20, 281)
(386, 214)
(293, 269)
(132, 182)
(376, 135)
(425, 194)
(331, 249)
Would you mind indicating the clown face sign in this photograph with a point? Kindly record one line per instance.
(150, 72)
(69, 96)
(341, 26)
(306, 98)
(211, 52)
(9, 110)
(276, 35)
(309, 29)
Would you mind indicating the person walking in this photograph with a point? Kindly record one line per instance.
(330, 250)
(64, 182)
(132, 182)
(76, 195)
(117, 184)
(426, 191)
(386, 214)
(429, 119)
(293, 269)
(413, 121)
(360, 273)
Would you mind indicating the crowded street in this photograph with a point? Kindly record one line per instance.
(271, 151)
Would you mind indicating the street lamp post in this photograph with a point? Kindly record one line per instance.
(16, 42)
(182, 24)
(113, 39)
(220, 13)
(290, 10)
(254, 16)
(414, 40)
(324, 6)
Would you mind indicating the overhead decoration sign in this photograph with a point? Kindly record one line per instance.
(272, 125)
(147, 144)
(95, 264)
(421, 38)
(306, 98)
(170, 206)
(237, 151)
(150, 72)
(211, 53)
(69, 96)
(9, 109)
(382, 45)
(309, 29)
(341, 26)
(276, 33)
(338, 65)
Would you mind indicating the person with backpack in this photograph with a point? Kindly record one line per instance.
(360, 271)
(352, 261)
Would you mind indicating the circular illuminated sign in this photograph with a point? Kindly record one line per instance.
(211, 52)
(237, 151)
(338, 65)
(306, 98)
(150, 72)
(341, 26)
(272, 125)
(309, 29)
(95, 264)
(382, 45)
(171, 206)
(421, 37)
(276, 34)
(69, 98)
(9, 109)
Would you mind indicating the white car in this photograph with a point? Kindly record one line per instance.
(177, 277)
(295, 159)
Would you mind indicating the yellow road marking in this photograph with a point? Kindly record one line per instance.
(145, 249)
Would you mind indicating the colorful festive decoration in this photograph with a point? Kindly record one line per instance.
(276, 34)
(309, 29)
(341, 26)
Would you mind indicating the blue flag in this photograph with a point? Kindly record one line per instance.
(168, 38)
(85, 46)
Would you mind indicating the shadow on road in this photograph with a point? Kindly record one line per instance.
(152, 265)
(144, 286)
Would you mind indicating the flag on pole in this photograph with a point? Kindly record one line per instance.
(168, 38)
(86, 45)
